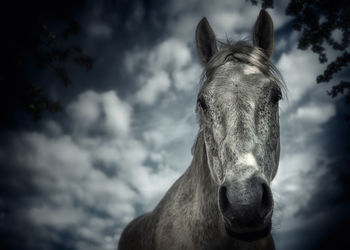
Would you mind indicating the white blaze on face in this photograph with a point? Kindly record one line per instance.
(248, 70)
(247, 167)
(247, 159)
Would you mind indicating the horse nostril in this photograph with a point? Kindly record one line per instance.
(248, 203)
(266, 201)
(223, 200)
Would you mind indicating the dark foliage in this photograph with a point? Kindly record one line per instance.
(34, 38)
(317, 20)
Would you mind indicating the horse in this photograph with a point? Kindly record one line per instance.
(223, 200)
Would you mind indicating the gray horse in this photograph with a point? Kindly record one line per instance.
(223, 200)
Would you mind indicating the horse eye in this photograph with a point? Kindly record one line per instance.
(201, 104)
(276, 96)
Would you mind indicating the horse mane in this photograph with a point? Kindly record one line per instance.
(243, 52)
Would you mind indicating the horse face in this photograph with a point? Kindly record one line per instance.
(238, 114)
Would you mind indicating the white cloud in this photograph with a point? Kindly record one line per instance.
(299, 69)
(84, 112)
(153, 87)
(167, 64)
(56, 217)
(167, 130)
(89, 170)
(187, 78)
(92, 111)
(314, 114)
(170, 53)
(117, 113)
(234, 19)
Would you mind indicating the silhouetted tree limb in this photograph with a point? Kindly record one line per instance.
(317, 20)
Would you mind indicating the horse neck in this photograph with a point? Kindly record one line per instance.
(198, 175)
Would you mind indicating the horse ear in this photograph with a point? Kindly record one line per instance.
(206, 41)
(263, 33)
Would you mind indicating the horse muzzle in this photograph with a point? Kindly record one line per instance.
(247, 208)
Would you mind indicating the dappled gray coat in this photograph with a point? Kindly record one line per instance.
(223, 200)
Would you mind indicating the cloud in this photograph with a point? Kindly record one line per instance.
(99, 30)
(299, 69)
(304, 159)
(314, 115)
(136, 16)
(188, 78)
(307, 189)
(171, 53)
(169, 63)
(159, 135)
(105, 111)
(281, 45)
(168, 55)
(225, 17)
(89, 173)
(337, 35)
(153, 87)
(304, 170)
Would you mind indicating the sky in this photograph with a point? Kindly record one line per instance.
(75, 179)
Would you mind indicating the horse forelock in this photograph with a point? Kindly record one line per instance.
(243, 52)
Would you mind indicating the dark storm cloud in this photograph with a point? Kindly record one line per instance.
(331, 201)
(108, 30)
(19, 194)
